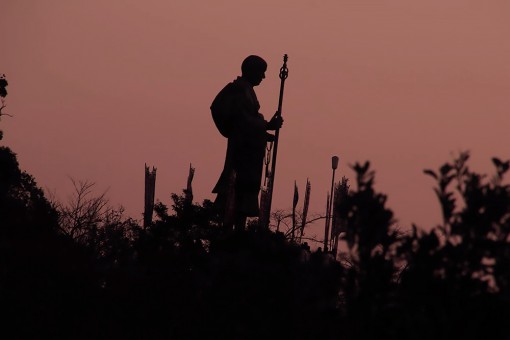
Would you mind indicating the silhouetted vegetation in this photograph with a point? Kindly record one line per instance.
(82, 270)
(448, 282)
(3, 94)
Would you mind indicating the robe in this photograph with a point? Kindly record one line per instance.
(246, 146)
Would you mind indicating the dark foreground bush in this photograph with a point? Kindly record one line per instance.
(185, 277)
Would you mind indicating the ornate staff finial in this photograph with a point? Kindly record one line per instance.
(284, 71)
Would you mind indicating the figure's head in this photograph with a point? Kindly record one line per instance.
(254, 69)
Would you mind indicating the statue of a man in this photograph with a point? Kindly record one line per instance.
(236, 114)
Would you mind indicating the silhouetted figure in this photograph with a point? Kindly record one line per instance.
(236, 114)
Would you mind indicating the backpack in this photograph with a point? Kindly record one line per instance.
(222, 109)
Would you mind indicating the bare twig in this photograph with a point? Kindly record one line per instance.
(2, 107)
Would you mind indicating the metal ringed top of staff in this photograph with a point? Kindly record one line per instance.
(284, 71)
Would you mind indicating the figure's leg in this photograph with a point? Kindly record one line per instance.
(231, 206)
(240, 224)
(247, 206)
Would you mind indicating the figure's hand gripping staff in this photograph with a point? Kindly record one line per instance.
(284, 72)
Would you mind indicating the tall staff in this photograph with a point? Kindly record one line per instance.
(284, 72)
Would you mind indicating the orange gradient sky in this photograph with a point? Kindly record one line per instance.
(100, 87)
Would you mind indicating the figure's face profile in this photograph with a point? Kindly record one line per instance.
(258, 77)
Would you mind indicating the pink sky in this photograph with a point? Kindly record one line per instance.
(98, 88)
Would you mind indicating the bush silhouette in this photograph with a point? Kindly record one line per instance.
(184, 276)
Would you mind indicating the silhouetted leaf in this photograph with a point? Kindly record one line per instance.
(365, 167)
(502, 167)
(497, 162)
(3, 85)
(430, 173)
(445, 169)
